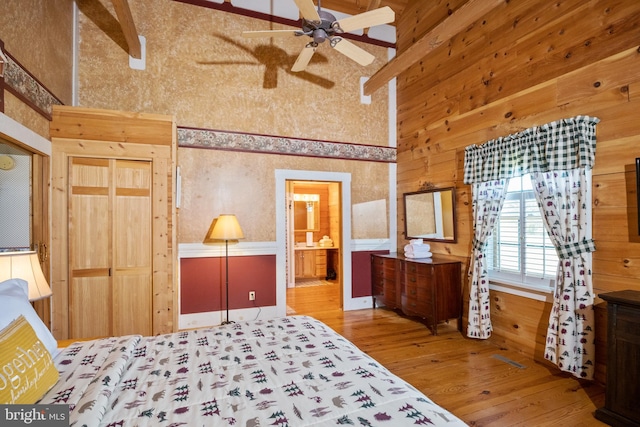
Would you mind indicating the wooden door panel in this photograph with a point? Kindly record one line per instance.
(89, 239)
(110, 229)
(132, 234)
(132, 248)
(132, 227)
(299, 264)
(132, 303)
(89, 243)
(89, 216)
(89, 172)
(133, 174)
(309, 264)
(90, 306)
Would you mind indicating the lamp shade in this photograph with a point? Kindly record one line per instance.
(225, 227)
(26, 266)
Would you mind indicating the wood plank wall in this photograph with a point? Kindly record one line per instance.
(527, 63)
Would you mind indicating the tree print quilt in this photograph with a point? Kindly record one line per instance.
(290, 371)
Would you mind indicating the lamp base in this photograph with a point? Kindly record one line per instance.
(227, 322)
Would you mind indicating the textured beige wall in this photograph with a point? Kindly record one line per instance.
(200, 69)
(25, 115)
(215, 182)
(39, 34)
(203, 72)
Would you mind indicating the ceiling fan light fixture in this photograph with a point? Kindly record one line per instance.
(319, 35)
(321, 25)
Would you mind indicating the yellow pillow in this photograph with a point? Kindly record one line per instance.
(27, 371)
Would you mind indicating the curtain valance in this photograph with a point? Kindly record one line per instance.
(561, 145)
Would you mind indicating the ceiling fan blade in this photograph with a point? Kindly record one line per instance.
(384, 15)
(352, 51)
(269, 33)
(308, 10)
(303, 59)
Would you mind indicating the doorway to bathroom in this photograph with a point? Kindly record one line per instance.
(285, 275)
(314, 231)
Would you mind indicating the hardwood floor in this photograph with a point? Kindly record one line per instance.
(478, 381)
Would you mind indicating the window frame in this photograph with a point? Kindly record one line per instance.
(521, 283)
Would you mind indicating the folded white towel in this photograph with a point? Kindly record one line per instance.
(416, 241)
(416, 256)
(417, 248)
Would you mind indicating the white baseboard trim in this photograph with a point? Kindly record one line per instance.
(358, 303)
(215, 318)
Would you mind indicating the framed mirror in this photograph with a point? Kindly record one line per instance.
(430, 215)
(306, 212)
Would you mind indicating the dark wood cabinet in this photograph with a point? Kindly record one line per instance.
(622, 398)
(429, 288)
(383, 281)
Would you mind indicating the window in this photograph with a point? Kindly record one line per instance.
(519, 250)
(15, 197)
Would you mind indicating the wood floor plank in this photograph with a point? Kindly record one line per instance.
(471, 378)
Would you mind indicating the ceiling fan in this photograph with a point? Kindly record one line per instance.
(321, 25)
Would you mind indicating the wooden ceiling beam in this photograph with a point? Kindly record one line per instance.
(441, 33)
(123, 12)
(374, 4)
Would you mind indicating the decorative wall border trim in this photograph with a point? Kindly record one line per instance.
(237, 141)
(26, 87)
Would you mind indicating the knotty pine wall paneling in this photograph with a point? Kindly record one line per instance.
(526, 63)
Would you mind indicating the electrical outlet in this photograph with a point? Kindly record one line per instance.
(252, 295)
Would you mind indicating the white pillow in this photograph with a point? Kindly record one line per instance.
(14, 301)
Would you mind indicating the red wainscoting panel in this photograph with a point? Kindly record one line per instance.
(361, 273)
(202, 283)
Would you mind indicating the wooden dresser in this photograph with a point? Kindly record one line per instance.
(429, 288)
(622, 393)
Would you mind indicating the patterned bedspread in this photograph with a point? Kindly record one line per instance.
(291, 371)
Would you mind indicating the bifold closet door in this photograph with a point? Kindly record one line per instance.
(110, 267)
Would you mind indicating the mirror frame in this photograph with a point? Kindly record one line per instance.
(417, 194)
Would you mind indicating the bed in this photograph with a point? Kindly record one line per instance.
(289, 371)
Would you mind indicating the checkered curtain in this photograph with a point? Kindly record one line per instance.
(562, 145)
(566, 145)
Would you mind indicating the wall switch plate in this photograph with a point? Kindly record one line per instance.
(252, 295)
